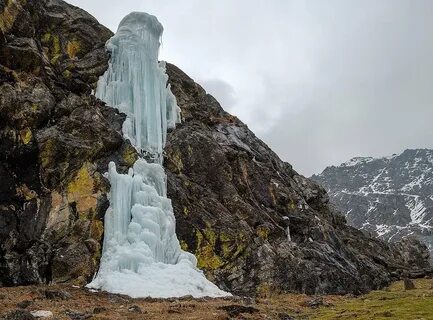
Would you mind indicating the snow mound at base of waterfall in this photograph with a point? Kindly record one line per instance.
(158, 280)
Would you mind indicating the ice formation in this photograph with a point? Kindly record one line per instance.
(136, 84)
(141, 254)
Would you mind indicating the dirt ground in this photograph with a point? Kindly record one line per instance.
(68, 302)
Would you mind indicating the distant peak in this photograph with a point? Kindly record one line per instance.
(357, 161)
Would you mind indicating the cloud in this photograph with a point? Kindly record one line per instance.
(221, 89)
(319, 81)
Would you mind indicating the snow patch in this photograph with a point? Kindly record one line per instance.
(357, 161)
(416, 208)
(382, 229)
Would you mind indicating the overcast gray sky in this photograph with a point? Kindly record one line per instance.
(320, 81)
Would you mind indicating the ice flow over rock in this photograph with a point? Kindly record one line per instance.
(141, 254)
(136, 83)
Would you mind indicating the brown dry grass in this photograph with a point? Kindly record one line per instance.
(392, 303)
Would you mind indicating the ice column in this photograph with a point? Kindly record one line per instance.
(141, 254)
(136, 84)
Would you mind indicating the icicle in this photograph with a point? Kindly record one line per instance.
(141, 253)
(287, 224)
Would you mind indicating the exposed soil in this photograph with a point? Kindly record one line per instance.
(68, 302)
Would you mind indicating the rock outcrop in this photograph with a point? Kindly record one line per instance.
(390, 197)
(55, 142)
(233, 197)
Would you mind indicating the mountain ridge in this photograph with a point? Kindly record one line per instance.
(391, 197)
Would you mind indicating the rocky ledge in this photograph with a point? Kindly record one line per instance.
(233, 197)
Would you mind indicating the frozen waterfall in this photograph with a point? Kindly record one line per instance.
(136, 84)
(141, 254)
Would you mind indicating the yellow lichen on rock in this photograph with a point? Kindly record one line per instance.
(10, 14)
(183, 245)
(96, 229)
(190, 152)
(210, 258)
(73, 48)
(185, 211)
(176, 159)
(46, 37)
(55, 48)
(205, 251)
(291, 205)
(263, 232)
(226, 245)
(130, 155)
(67, 74)
(81, 191)
(46, 153)
(26, 135)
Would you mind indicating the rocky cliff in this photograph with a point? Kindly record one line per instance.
(234, 198)
(56, 141)
(390, 197)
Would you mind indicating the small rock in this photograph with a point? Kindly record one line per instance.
(42, 314)
(24, 304)
(315, 303)
(74, 315)
(18, 315)
(408, 284)
(53, 295)
(2, 296)
(285, 316)
(235, 310)
(248, 301)
(99, 310)
(135, 309)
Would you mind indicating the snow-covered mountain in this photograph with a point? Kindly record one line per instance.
(391, 197)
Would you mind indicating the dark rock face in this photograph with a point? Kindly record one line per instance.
(55, 142)
(234, 198)
(391, 198)
(231, 194)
